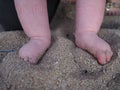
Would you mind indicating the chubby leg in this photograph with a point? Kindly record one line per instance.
(34, 20)
(89, 16)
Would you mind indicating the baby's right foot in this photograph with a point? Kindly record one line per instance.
(96, 46)
(34, 49)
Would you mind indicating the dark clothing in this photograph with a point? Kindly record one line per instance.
(8, 15)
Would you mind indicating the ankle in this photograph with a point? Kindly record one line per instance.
(45, 40)
(85, 33)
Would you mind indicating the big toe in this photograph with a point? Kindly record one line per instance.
(101, 57)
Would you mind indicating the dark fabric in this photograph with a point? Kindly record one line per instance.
(52, 7)
(8, 15)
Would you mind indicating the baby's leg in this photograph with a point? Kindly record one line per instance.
(89, 17)
(34, 19)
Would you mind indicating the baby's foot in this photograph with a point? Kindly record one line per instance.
(95, 45)
(34, 49)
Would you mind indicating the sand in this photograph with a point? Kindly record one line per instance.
(63, 66)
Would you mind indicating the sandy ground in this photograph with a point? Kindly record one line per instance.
(63, 66)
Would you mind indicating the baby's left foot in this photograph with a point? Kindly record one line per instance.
(34, 49)
(96, 46)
